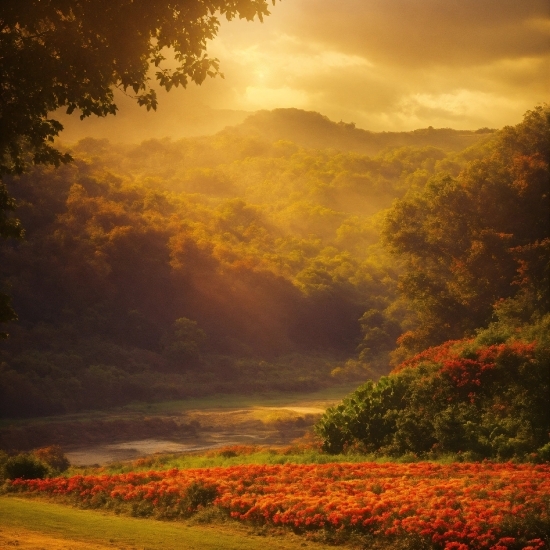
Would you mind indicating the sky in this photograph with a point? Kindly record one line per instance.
(387, 65)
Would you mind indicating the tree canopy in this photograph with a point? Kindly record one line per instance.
(476, 254)
(73, 53)
(255, 261)
(472, 240)
(259, 261)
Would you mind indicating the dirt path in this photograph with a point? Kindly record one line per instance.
(142, 429)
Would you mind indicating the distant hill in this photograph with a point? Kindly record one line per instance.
(313, 130)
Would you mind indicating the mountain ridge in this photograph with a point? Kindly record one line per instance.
(313, 130)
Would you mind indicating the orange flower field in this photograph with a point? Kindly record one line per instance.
(457, 506)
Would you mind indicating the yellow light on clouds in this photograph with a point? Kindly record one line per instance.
(396, 65)
(272, 98)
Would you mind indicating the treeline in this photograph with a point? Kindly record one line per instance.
(313, 130)
(476, 273)
(225, 263)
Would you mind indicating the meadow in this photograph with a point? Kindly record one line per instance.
(270, 418)
(35, 524)
(420, 505)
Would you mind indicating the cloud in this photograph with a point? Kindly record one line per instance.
(263, 97)
(458, 105)
(378, 63)
(385, 65)
(429, 32)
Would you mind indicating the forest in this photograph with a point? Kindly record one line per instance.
(264, 258)
(253, 261)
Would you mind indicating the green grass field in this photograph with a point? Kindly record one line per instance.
(37, 524)
(262, 456)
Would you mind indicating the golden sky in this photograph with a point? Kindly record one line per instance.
(383, 64)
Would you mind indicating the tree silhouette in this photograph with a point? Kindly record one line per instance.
(73, 53)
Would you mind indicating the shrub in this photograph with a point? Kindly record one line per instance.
(488, 400)
(25, 466)
(544, 452)
(199, 495)
(53, 456)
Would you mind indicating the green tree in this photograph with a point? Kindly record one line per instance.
(379, 333)
(182, 344)
(9, 227)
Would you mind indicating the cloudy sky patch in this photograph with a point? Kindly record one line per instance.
(383, 64)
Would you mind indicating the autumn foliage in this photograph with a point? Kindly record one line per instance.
(474, 239)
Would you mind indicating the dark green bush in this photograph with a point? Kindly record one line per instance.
(54, 457)
(25, 466)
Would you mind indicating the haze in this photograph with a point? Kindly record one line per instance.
(397, 65)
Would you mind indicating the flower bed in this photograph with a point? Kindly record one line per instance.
(457, 506)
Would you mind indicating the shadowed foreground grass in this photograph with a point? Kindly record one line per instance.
(38, 524)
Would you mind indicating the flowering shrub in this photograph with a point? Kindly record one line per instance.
(462, 396)
(453, 507)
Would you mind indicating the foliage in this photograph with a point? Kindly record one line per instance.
(502, 506)
(475, 397)
(184, 342)
(268, 252)
(477, 238)
(380, 332)
(10, 227)
(198, 495)
(41, 463)
(54, 457)
(24, 466)
(239, 204)
(268, 265)
(72, 54)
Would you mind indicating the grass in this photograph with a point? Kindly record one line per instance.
(54, 522)
(225, 401)
(229, 401)
(221, 458)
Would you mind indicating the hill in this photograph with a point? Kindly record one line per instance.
(313, 130)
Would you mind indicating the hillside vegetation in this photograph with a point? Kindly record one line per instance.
(242, 261)
(313, 130)
(477, 254)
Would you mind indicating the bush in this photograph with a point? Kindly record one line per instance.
(487, 400)
(544, 452)
(199, 495)
(25, 466)
(53, 456)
